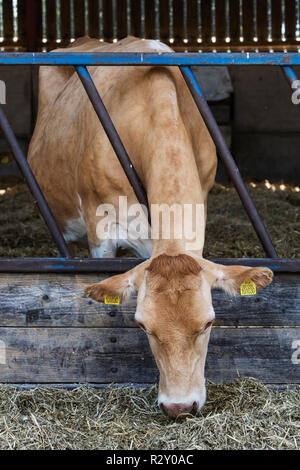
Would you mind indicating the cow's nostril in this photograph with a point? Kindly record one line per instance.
(195, 407)
(163, 409)
(179, 410)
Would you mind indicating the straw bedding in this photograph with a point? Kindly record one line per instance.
(229, 233)
(242, 415)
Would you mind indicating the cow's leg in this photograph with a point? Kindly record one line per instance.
(73, 247)
(100, 247)
(104, 241)
(106, 249)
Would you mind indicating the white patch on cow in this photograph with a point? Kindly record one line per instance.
(177, 399)
(143, 289)
(75, 229)
(220, 275)
(80, 202)
(228, 285)
(107, 249)
(130, 289)
(158, 46)
(206, 296)
(140, 299)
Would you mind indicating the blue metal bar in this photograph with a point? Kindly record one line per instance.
(228, 161)
(137, 58)
(289, 74)
(114, 265)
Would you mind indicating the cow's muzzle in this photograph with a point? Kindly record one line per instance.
(179, 410)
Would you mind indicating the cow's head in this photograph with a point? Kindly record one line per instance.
(174, 308)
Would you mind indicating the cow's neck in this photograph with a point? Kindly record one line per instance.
(172, 179)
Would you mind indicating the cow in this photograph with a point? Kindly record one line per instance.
(175, 158)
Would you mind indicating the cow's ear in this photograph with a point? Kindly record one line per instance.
(117, 289)
(231, 278)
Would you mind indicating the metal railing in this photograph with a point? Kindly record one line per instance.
(184, 61)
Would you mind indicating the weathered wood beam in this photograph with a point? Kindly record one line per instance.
(50, 300)
(52, 334)
(122, 355)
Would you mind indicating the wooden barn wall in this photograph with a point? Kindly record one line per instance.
(266, 124)
(50, 333)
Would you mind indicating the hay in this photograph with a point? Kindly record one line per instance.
(229, 233)
(242, 415)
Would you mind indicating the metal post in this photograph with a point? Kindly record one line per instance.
(290, 75)
(114, 138)
(228, 161)
(33, 186)
(119, 265)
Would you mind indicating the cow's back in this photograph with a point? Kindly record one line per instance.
(70, 153)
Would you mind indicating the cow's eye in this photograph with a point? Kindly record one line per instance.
(141, 325)
(208, 325)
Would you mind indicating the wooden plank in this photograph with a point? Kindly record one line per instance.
(68, 355)
(107, 20)
(8, 22)
(150, 19)
(192, 23)
(79, 15)
(57, 301)
(65, 15)
(22, 25)
(122, 19)
(51, 24)
(94, 18)
(164, 21)
(290, 21)
(62, 355)
(206, 16)
(234, 19)
(276, 21)
(248, 22)
(270, 307)
(268, 354)
(178, 22)
(136, 18)
(262, 22)
(220, 22)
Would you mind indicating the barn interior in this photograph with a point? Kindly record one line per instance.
(253, 108)
(259, 121)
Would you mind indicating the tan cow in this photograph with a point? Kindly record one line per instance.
(175, 158)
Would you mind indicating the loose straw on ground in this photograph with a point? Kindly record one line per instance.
(244, 414)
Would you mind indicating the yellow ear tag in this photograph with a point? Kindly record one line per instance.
(248, 287)
(111, 299)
